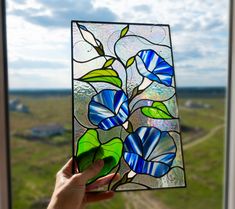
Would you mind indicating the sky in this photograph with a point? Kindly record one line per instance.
(39, 36)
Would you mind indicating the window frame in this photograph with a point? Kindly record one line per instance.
(229, 190)
(5, 185)
(5, 175)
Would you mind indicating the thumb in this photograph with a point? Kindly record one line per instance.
(92, 171)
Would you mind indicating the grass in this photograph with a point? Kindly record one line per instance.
(116, 203)
(204, 170)
(203, 119)
(34, 163)
(43, 111)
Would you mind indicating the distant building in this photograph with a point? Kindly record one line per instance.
(48, 130)
(17, 106)
(13, 104)
(22, 108)
(191, 104)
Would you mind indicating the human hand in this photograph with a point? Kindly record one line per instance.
(71, 191)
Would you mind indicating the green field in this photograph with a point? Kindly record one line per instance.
(34, 163)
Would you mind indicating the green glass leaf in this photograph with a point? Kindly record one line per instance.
(112, 80)
(130, 61)
(89, 149)
(93, 142)
(103, 75)
(100, 72)
(161, 106)
(109, 62)
(157, 111)
(124, 31)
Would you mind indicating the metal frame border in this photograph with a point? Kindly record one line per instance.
(229, 191)
(5, 177)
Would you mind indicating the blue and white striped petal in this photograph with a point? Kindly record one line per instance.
(149, 137)
(149, 151)
(133, 144)
(166, 145)
(141, 166)
(154, 67)
(109, 108)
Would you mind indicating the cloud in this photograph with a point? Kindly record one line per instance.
(60, 13)
(190, 77)
(35, 79)
(39, 34)
(142, 8)
(36, 64)
(181, 56)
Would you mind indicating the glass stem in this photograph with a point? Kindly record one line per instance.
(125, 179)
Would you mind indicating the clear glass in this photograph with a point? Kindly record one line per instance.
(125, 104)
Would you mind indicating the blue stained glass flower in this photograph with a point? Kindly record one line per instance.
(154, 67)
(109, 108)
(149, 151)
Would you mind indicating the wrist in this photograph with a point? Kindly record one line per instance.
(53, 204)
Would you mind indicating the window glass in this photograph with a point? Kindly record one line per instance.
(41, 105)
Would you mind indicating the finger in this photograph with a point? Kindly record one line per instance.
(92, 171)
(66, 169)
(103, 181)
(69, 168)
(68, 165)
(95, 197)
(75, 182)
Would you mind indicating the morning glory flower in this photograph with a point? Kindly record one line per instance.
(149, 151)
(154, 68)
(108, 108)
(90, 38)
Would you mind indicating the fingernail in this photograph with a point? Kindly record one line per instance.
(99, 163)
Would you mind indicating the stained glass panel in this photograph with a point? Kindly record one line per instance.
(124, 104)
